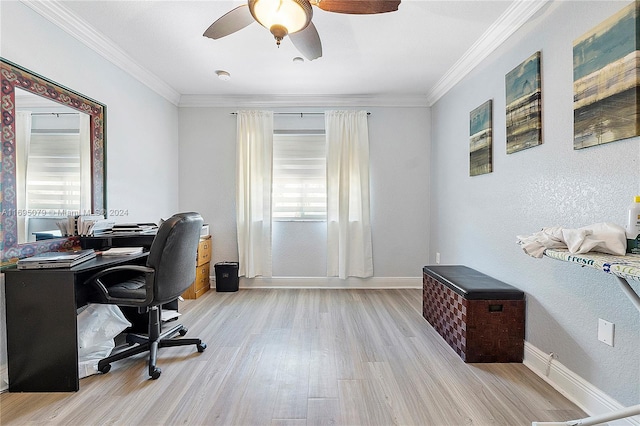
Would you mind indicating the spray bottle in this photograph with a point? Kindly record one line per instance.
(633, 227)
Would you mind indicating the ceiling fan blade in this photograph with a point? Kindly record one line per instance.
(230, 22)
(308, 42)
(358, 7)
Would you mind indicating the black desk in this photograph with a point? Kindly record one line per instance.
(118, 239)
(42, 333)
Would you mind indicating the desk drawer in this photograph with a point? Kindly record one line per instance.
(201, 283)
(204, 250)
(202, 277)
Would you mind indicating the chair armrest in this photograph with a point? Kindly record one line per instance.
(120, 268)
(98, 283)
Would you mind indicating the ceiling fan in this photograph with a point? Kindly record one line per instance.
(293, 18)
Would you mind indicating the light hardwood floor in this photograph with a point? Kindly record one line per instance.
(302, 357)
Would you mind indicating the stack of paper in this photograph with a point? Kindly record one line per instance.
(122, 251)
(102, 226)
(86, 222)
(63, 226)
(135, 227)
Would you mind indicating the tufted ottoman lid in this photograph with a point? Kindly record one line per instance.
(471, 284)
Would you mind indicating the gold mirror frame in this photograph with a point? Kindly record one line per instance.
(15, 76)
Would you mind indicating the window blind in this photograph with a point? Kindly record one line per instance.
(299, 177)
(53, 173)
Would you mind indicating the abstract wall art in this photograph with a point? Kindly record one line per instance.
(606, 79)
(524, 105)
(480, 140)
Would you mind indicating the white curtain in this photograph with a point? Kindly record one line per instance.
(253, 192)
(85, 162)
(23, 142)
(349, 250)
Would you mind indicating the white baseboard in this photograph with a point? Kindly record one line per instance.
(582, 393)
(331, 282)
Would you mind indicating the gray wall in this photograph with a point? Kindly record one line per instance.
(474, 221)
(142, 127)
(399, 146)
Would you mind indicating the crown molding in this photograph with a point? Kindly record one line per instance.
(508, 23)
(69, 22)
(274, 101)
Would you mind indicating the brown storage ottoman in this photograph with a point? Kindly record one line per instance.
(481, 318)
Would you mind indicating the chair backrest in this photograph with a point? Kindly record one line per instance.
(173, 255)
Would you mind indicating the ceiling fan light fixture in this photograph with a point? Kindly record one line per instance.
(278, 15)
(279, 32)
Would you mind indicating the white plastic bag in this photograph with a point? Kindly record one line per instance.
(98, 325)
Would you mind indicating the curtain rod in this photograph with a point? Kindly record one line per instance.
(297, 113)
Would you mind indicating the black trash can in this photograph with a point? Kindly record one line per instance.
(226, 276)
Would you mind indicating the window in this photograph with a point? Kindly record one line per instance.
(299, 177)
(53, 173)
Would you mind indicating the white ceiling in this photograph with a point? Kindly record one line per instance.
(407, 53)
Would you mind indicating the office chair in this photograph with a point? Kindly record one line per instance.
(169, 271)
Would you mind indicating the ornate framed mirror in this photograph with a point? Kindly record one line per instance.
(15, 79)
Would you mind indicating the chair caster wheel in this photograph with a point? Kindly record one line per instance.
(201, 347)
(183, 331)
(156, 373)
(105, 369)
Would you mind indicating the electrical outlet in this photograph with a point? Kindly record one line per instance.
(605, 331)
(437, 257)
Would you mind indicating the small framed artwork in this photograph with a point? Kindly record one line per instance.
(480, 139)
(524, 105)
(606, 81)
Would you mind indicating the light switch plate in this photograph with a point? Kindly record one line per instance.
(605, 331)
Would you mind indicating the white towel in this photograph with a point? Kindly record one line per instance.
(601, 237)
